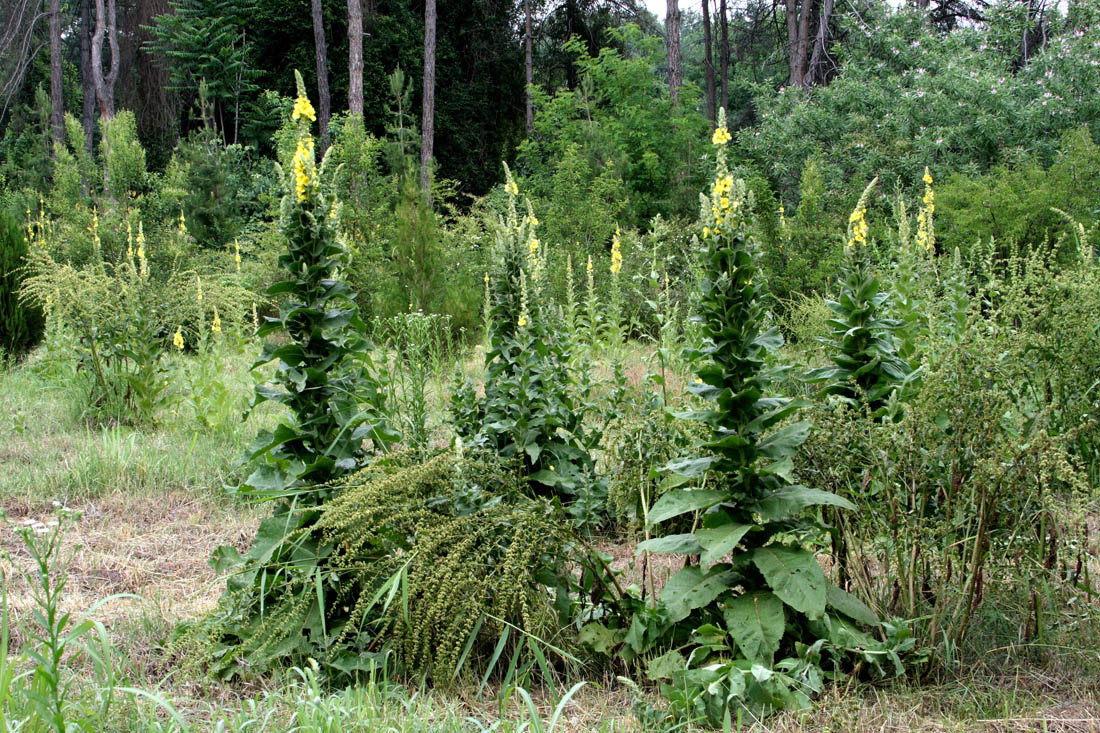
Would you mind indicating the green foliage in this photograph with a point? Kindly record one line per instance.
(1015, 203)
(907, 96)
(801, 254)
(214, 184)
(21, 324)
(444, 565)
(866, 370)
(324, 375)
(205, 44)
(121, 319)
(534, 408)
(757, 593)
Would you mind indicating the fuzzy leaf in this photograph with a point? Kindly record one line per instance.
(789, 500)
(756, 621)
(850, 606)
(717, 542)
(692, 588)
(794, 576)
(680, 502)
(674, 544)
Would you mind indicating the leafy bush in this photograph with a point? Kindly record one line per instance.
(122, 319)
(21, 323)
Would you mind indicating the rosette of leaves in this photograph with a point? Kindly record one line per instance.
(751, 614)
(866, 368)
(534, 407)
(324, 374)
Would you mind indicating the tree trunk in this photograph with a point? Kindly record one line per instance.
(427, 122)
(804, 41)
(724, 54)
(672, 41)
(708, 62)
(529, 63)
(816, 72)
(794, 78)
(57, 99)
(87, 119)
(323, 99)
(105, 85)
(355, 57)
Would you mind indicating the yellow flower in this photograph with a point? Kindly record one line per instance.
(522, 321)
(511, 188)
(486, 278)
(721, 136)
(177, 340)
(533, 245)
(302, 108)
(616, 253)
(927, 176)
(302, 159)
(725, 202)
(183, 223)
(706, 231)
(237, 254)
(198, 288)
(216, 325)
(588, 267)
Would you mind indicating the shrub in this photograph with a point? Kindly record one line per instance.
(21, 323)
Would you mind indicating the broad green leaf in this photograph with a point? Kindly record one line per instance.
(692, 588)
(785, 441)
(676, 503)
(600, 639)
(665, 666)
(756, 621)
(850, 606)
(717, 542)
(789, 500)
(674, 544)
(794, 576)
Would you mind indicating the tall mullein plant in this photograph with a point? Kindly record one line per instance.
(324, 375)
(533, 409)
(866, 369)
(755, 593)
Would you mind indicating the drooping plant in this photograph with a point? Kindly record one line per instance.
(752, 607)
(866, 368)
(324, 375)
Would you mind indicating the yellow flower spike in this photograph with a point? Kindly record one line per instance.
(486, 278)
(721, 136)
(255, 318)
(303, 108)
(129, 243)
(198, 289)
(533, 245)
(143, 265)
(303, 158)
(237, 254)
(216, 324)
(588, 267)
(177, 339)
(706, 231)
(511, 188)
(616, 252)
(183, 223)
(927, 176)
